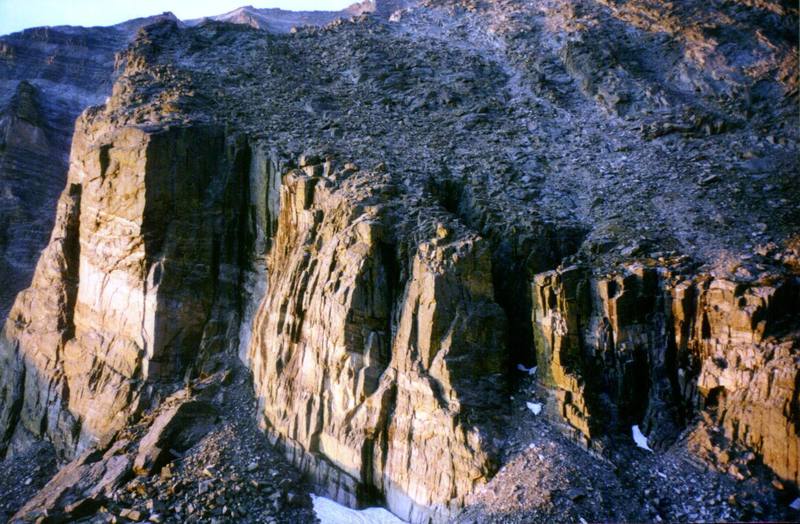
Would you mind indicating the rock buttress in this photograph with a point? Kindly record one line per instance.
(122, 296)
(377, 358)
(645, 347)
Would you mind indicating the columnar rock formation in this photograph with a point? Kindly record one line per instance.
(651, 348)
(48, 76)
(375, 359)
(139, 231)
(382, 219)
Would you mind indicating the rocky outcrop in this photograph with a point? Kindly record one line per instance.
(651, 348)
(174, 431)
(374, 370)
(47, 77)
(77, 490)
(213, 208)
(94, 479)
(100, 326)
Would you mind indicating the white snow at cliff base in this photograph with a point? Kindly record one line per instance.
(329, 512)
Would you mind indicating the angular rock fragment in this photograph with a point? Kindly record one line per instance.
(175, 429)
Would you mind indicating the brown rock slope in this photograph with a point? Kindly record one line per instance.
(382, 219)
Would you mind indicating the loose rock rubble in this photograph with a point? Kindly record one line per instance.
(218, 468)
(546, 477)
(22, 475)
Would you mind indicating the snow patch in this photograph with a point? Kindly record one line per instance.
(795, 505)
(330, 512)
(529, 371)
(639, 438)
(536, 407)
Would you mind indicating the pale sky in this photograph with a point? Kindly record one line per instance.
(16, 15)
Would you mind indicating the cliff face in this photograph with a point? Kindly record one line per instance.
(47, 77)
(653, 348)
(383, 219)
(376, 368)
(99, 323)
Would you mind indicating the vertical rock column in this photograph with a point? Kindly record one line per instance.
(122, 295)
(749, 366)
(646, 348)
(560, 307)
(379, 375)
(447, 371)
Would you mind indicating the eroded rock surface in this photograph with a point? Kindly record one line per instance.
(377, 371)
(653, 348)
(100, 324)
(383, 217)
(48, 76)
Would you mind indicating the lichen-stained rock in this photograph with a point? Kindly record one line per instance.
(647, 347)
(377, 372)
(122, 295)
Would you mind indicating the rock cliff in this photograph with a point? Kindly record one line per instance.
(47, 77)
(377, 357)
(653, 348)
(385, 218)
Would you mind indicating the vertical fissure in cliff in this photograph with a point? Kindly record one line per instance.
(518, 253)
(72, 256)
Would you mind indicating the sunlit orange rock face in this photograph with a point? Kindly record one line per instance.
(663, 347)
(382, 218)
(48, 76)
(95, 326)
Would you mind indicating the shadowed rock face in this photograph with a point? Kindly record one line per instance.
(25, 144)
(383, 218)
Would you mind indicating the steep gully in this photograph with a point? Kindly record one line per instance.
(380, 348)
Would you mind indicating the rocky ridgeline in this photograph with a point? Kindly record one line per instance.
(382, 218)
